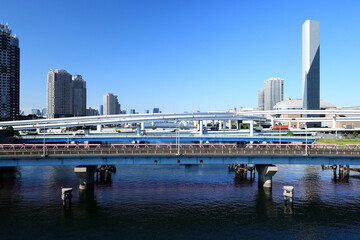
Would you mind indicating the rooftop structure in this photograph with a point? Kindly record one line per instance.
(296, 104)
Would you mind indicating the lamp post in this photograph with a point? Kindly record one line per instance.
(44, 141)
(177, 139)
(280, 133)
(306, 141)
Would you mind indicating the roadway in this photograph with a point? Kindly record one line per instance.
(162, 137)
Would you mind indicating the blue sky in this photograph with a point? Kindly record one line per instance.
(183, 55)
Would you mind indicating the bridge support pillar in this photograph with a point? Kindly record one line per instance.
(224, 124)
(334, 121)
(142, 126)
(86, 176)
(99, 128)
(251, 128)
(265, 174)
(229, 123)
(201, 127)
(138, 129)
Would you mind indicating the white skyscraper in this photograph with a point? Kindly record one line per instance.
(273, 92)
(311, 64)
(111, 104)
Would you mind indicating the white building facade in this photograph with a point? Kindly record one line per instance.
(111, 104)
(273, 92)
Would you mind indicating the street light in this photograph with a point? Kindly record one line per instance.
(280, 133)
(177, 139)
(44, 141)
(306, 143)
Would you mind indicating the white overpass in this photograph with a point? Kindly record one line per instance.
(129, 118)
(258, 116)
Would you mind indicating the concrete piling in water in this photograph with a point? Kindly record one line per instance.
(245, 171)
(334, 167)
(288, 193)
(86, 176)
(103, 173)
(242, 170)
(265, 174)
(66, 195)
(341, 171)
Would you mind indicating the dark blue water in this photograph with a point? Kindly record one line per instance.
(178, 202)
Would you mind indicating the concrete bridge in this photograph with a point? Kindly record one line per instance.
(263, 156)
(140, 154)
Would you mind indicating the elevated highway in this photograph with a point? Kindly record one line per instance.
(166, 138)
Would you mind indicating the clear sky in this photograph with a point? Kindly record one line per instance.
(183, 55)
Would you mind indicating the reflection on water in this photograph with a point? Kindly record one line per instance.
(178, 202)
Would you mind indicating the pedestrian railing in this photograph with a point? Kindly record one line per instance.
(7, 150)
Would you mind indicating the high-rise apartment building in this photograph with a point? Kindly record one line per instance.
(311, 64)
(9, 75)
(111, 104)
(273, 92)
(79, 88)
(59, 94)
(261, 99)
(101, 110)
(92, 112)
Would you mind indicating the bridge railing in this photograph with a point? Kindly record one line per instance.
(169, 149)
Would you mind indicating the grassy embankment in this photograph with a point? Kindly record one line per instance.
(338, 141)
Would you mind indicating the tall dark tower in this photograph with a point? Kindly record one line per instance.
(9, 75)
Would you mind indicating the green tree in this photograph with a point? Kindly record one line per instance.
(355, 134)
(290, 134)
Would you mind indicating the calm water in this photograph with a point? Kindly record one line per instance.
(178, 202)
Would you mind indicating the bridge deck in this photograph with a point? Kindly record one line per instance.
(93, 154)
